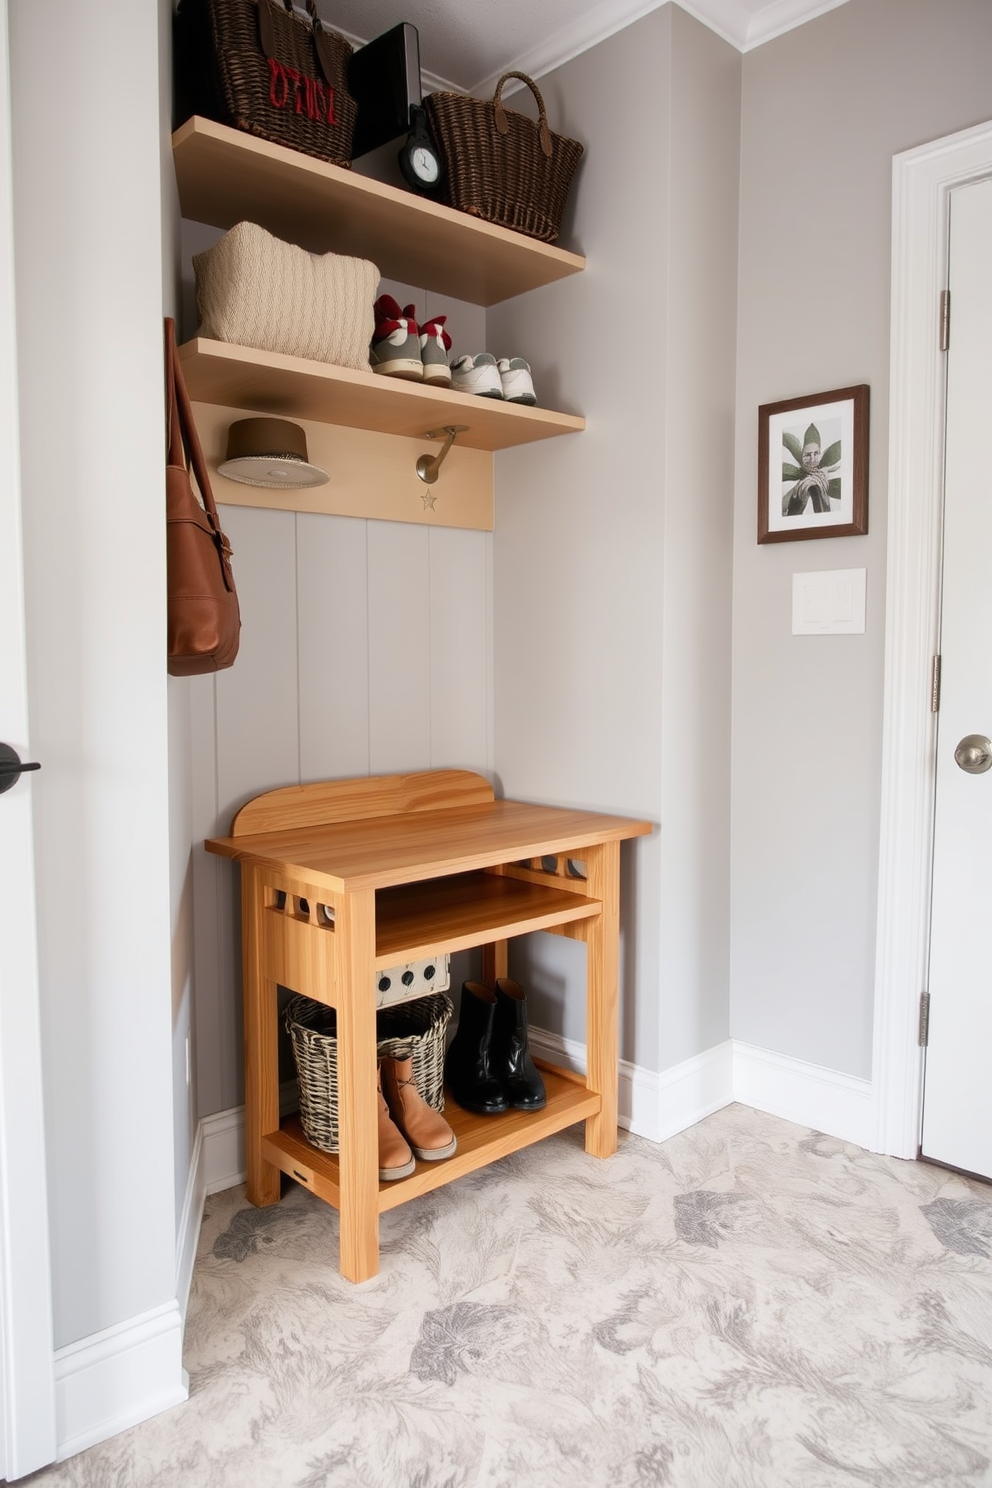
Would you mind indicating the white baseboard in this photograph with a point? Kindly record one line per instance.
(217, 1162)
(223, 1150)
(125, 1374)
(118, 1377)
(693, 1090)
(659, 1105)
(189, 1223)
(840, 1105)
(653, 1105)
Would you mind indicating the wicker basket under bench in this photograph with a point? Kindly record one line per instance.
(394, 868)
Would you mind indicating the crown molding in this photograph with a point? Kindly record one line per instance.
(587, 30)
(731, 19)
(784, 15)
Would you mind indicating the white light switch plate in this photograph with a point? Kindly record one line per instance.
(830, 602)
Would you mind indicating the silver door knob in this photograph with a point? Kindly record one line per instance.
(974, 754)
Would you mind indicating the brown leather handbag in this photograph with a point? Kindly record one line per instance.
(204, 620)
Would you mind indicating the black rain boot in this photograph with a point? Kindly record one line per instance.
(511, 1062)
(467, 1063)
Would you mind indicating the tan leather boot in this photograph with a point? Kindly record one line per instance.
(395, 1157)
(425, 1129)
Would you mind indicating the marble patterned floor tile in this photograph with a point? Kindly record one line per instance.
(748, 1305)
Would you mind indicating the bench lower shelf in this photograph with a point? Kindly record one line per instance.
(481, 1140)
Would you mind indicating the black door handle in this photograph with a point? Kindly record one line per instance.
(11, 767)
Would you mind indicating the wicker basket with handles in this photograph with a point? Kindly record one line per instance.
(502, 165)
(257, 66)
(417, 1028)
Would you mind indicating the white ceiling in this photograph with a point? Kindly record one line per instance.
(466, 44)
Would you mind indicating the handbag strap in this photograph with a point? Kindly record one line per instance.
(176, 451)
(183, 438)
(503, 123)
(326, 60)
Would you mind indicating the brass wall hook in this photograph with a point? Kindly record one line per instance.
(428, 466)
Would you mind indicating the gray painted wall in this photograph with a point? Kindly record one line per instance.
(824, 110)
(612, 551)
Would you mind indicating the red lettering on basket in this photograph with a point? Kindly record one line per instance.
(277, 75)
(287, 87)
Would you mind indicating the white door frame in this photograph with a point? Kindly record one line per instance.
(27, 1377)
(923, 180)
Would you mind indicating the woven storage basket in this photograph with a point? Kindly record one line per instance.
(502, 165)
(254, 290)
(255, 65)
(416, 1028)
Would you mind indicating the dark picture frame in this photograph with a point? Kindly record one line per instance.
(813, 466)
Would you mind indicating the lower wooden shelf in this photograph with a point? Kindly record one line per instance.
(271, 382)
(481, 1140)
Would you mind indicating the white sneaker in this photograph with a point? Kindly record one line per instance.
(516, 381)
(478, 374)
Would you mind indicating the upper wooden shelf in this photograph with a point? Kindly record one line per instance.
(225, 176)
(269, 382)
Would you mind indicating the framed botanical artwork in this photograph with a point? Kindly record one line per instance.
(813, 466)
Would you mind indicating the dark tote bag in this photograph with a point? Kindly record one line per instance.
(204, 620)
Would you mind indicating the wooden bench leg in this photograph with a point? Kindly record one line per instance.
(357, 1098)
(603, 996)
(495, 961)
(261, 1047)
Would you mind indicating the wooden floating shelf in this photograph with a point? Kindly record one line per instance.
(226, 176)
(481, 1140)
(269, 382)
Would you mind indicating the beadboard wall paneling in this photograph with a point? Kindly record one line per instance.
(461, 634)
(332, 603)
(399, 648)
(258, 737)
(256, 747)
(366, 647)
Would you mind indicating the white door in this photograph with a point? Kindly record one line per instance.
(957, 1103)
(27, 1387)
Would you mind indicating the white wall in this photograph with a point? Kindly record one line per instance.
(612, 549)
(825, 108)
(88, 225)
